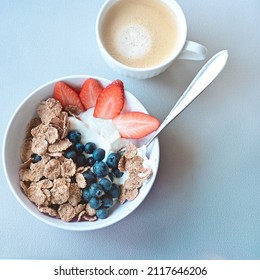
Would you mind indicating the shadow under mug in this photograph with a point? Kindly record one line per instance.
(185, 49)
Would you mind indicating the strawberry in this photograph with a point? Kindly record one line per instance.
(135, 125)
(67, 96)
(110, 101)
(90, 92)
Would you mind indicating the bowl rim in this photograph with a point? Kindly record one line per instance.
(45, 218)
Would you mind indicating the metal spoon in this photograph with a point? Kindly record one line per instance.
(204, 77)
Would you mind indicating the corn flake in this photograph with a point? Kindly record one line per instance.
(52, 169)
(60, 191)
(26, 150)
(66, 212)
(48, 110)
(68, 167)
(60, 146)
(75, 194)
(35, 194)
(81, 181)
(48, 210)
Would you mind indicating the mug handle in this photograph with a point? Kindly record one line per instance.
(193, 51)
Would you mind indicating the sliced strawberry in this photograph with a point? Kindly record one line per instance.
(135, 125)
(90, 92)
(67, 96)
(110, 102)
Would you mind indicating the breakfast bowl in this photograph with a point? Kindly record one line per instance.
(14, 138)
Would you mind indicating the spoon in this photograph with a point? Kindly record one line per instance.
(204, 77)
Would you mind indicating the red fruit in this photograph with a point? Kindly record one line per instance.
(110, 102)
(67, 96)
(90, 92)
(135, 125)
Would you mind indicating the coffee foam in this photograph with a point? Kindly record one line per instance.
(140, 33)
(133, 41)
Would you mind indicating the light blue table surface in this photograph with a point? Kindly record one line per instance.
(205, 203)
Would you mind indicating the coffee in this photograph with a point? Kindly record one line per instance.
(140, 33)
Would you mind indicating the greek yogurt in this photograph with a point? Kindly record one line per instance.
(100, 131)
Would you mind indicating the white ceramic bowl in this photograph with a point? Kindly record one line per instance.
(13, 139)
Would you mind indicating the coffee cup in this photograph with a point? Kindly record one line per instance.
(142, 38)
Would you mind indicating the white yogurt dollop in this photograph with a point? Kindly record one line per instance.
(99, 131)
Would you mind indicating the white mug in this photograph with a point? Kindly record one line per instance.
(184, 50)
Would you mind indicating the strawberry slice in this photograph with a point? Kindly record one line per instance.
(135, 125)
(90, 92)
(67, 96)
(110, 101)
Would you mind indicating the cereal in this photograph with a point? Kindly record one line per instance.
(35, 194)
(80, 208)
(39, 145)
(51, 135)
(45, 184)
(55, 183)
(60, 191)
(48, 210)
(75, 194)
(48, 110)
(81, 181)
(89, 218)
(66, 212)
(59, 146)
(80, 215)
(52, 169)
(89, 210)
(137, 173)
(24, 186)
(48, 197)
(26, 150)
(61, 123)
(39, 130)
(32, 124)
(131, 194)
(73, 110)
(131, 151)
(68, 167)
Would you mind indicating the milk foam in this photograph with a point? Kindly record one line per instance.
(133, 41)
(140, 33)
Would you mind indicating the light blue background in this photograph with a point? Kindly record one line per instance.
(205, 203)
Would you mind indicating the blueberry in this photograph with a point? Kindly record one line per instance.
(79, 148)
(81, 160)
(74, 136)
(71, 154)
(107, 201)
(115, 191)
(36, 158)
(102, 213)
(90, 147)
(86, 195)
(95, 203)
(90, 177)
(96, 190)
(105, 183)
(111, 177)
(100, 169)
(99, 154)
(112, 160)
(117, 173)
(90, 161)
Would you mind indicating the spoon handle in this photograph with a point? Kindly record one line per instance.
(205, 76)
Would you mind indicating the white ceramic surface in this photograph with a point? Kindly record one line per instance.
(185, 49)
(11, 159)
